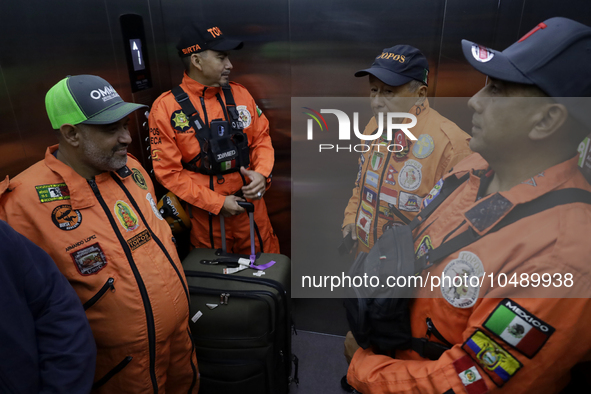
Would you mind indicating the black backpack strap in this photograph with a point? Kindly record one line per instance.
(448, 187)
(188, 108)
(230, 103)
(542, 203)
(428, 349)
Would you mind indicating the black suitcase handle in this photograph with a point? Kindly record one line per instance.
(248, 206)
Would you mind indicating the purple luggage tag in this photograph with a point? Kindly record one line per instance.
(253, 257)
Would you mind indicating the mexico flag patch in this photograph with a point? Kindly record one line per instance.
(519, 328)
(471, 378)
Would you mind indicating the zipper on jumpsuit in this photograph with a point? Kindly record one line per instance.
(110, 284)
(140, 283)
(165, 251)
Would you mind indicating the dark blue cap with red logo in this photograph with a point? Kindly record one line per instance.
(555, 56)
(398, 65)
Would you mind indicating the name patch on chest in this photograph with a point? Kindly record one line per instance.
(141, 239)
(53, 192)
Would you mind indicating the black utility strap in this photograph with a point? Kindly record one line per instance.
(222, 105)
(448, 187)
(230, 103)
(188, 108)
(542, 203)
(399, 214)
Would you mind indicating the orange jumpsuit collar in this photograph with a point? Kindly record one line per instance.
(81, 195)
(193, 87)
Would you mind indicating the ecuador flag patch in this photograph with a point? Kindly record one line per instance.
(496, 362)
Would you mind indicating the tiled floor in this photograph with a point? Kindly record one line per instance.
(321, 363)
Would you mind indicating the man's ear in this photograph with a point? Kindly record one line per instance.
(196, 61)
(421, 94)
(70, 134)
(550, 119)
(423, 91)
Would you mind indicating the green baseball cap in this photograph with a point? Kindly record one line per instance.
(85, 99)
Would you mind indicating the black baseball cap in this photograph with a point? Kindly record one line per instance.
(85, 99)
(198, 37)
(555, 56)
(398, 65)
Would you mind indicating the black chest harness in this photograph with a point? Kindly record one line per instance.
(223, 143)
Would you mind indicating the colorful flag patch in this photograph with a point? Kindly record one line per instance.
(377, 159)
(371, 179)
(519, 328)
(226, 165)
(389, 195)
(390, 175)
(496, 362)
(471, 378)
(369, 196)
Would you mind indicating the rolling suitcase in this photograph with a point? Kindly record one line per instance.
(241, 322)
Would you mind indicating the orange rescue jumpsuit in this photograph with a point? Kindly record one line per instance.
(173, 140)
(504, 342)
(119, 256)
(401, 180)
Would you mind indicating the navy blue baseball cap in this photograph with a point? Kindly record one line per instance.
(555, 56)
(398, 65)
(198, 37)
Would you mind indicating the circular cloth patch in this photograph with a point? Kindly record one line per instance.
(461, 280)
(66, 218)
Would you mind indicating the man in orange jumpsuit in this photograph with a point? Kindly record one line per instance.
(188, 124)
(390, 186)
(91, 206)
(503, 339)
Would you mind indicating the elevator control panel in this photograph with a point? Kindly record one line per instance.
(134, 41)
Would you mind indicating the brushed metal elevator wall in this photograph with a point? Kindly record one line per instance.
(293, 48)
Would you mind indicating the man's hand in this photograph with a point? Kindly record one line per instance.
(350, 228)
(230, 207)
(256, 188)
(351, 346)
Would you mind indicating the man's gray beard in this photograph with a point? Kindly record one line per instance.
(101, 162)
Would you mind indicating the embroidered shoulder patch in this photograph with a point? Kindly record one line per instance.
(423, 147)
(179, 121)
(488, 211)
(496, 362)
(244, 115)
(139, 179)
(518, 327)
(471, 378)
(89, 260)
(463, 293)
(53, 192)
